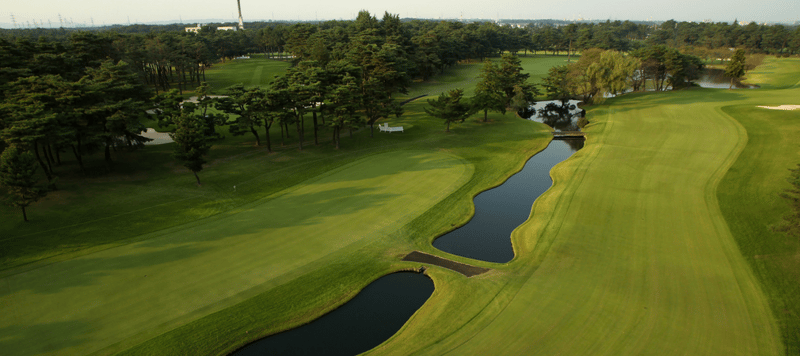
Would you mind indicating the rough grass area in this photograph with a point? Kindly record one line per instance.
(749, 193)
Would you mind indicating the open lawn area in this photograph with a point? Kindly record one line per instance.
(258, 71)
(653, 239)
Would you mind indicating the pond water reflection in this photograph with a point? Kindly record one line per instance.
(716, 78)
(560, 115)
(366, 321)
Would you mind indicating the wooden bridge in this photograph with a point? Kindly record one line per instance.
(568, 134)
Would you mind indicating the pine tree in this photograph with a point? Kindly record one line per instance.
(18, 176)
(449, 107)
(191, 143)
(735, 68)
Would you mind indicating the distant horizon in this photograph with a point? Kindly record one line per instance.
(52, 13)
(10, 26)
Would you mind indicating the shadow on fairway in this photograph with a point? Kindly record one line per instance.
(86, 271)
(46, 337)
(290, 210)
(388, 165)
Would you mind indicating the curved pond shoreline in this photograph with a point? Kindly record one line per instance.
(498, 211)
(385, 305)
(366, 321)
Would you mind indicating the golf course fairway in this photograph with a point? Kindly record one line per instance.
(653, 240)
(80, 305)
(629, 253)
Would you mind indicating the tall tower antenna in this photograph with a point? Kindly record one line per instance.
(241, 22)
(14, 20)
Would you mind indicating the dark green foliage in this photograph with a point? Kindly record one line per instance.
(489, 94)
(736, 66)
(343, 101)
(791, 222)
(503, 85)
(664, 66)
(18, 177)
(191, 143)
(449, 107)
(242, 105)
(556, 84)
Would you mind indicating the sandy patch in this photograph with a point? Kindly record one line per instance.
(193, 99)
(159, 138)
(782, 107)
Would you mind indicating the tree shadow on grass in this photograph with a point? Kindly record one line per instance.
(388, 164)
(184, 242)
(41, 339)
(85, 271)
(290, 210)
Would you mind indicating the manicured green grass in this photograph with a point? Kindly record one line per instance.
(749, 193)
(775, 74)
(539, 65)
(465, 76)
(220, 260)
(257, 71)
(628, 253)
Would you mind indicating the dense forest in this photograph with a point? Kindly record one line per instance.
(80, 92)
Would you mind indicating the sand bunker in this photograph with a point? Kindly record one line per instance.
(159, 138)
(193, 99)
(782, 107)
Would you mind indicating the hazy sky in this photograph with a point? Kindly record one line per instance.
(145, 11)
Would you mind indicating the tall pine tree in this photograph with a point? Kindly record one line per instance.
(191, 142)
(18, 176)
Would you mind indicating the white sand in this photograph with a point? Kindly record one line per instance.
(159, 138)
(193, 99)
(782, 107)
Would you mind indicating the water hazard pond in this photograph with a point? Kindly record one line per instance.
(366, 321)
(384, 306)
(500, 210)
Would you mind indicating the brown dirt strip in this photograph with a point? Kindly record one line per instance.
(459, 267)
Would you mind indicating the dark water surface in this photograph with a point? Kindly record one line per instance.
(716, 78)
(561, 116)
(369, 319)
(500, 210)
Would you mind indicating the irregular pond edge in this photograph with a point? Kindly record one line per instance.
(233, 348)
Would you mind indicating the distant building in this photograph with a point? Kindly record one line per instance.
(221, 28)
(193, 29)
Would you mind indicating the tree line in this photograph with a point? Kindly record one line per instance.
(89, 92)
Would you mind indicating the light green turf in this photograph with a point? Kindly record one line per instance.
(749, 193)
(538, 65)
(775, 74)
(258, 71)
(217, 261)
(638, 257)
(465, 76)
